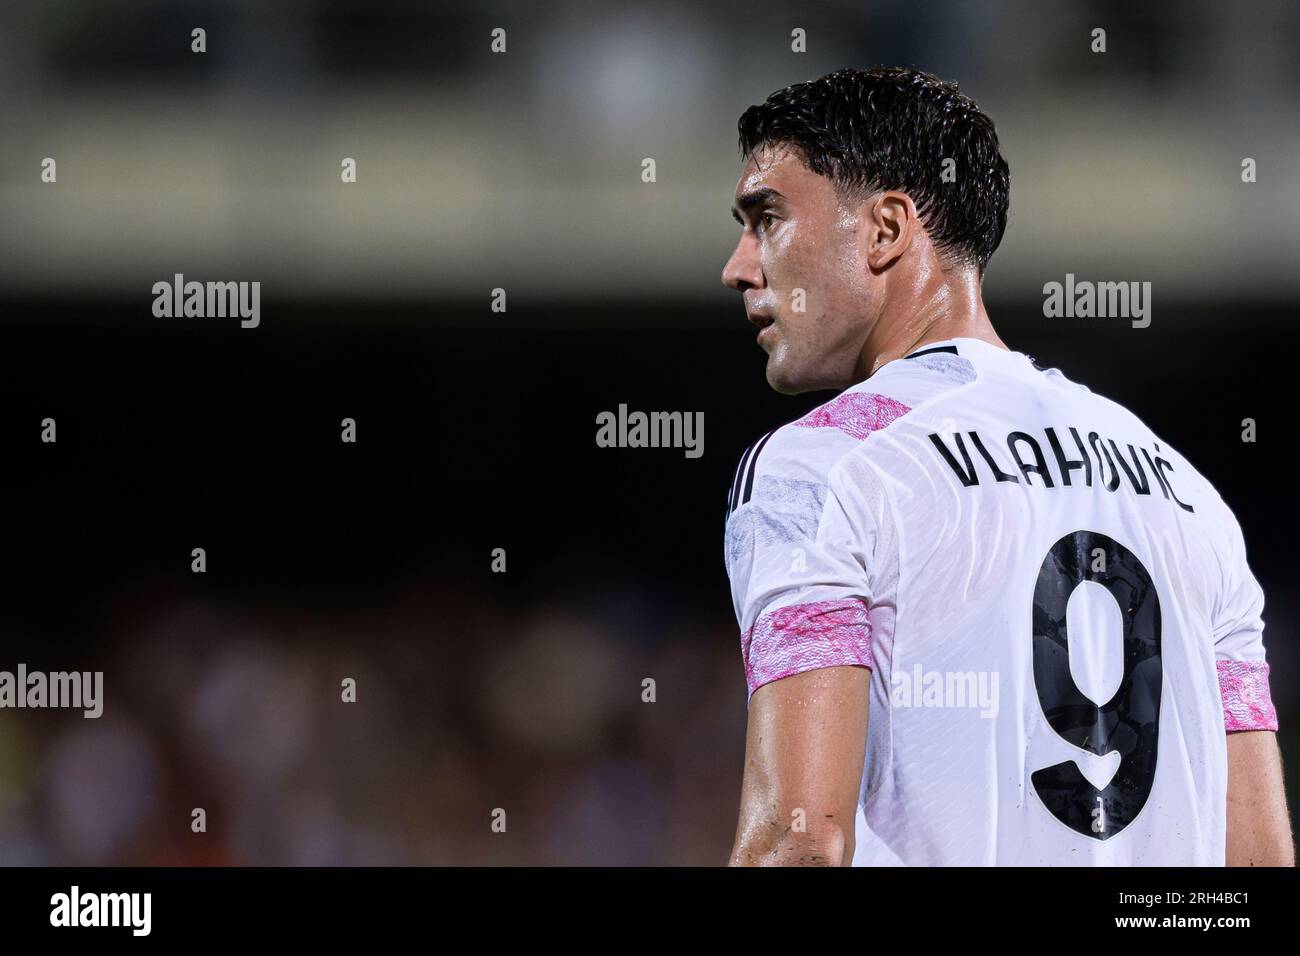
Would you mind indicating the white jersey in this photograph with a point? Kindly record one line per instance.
(1055, 607)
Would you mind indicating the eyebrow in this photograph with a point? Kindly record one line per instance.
(753, 199)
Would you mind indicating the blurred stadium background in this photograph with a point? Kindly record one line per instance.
(476, 429)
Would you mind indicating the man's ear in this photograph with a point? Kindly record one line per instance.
(892, 224)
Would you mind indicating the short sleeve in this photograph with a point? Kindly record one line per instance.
(797, 561)
(1239, 643)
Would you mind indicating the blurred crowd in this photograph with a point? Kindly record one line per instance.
(471, 708)
(465, 706)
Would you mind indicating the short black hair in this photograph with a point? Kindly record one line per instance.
(892, 128)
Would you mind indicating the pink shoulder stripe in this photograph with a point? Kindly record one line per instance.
(857, 414)
(1247, 703)
(805, 637)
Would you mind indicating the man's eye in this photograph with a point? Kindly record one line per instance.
(766, 219)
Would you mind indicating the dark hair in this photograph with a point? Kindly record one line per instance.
(891, 128)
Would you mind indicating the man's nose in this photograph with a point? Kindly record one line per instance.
(742, 270)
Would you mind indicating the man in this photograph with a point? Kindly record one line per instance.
(1045, 610)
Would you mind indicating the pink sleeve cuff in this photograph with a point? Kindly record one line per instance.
(805, 637)
(1247, 704)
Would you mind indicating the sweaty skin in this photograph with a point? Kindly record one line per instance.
(871, 285)
(804, 753)
(1259, 826)
(839, 286)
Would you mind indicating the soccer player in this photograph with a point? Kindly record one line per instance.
(1045, 610)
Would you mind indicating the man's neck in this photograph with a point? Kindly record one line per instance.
(948, 307)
